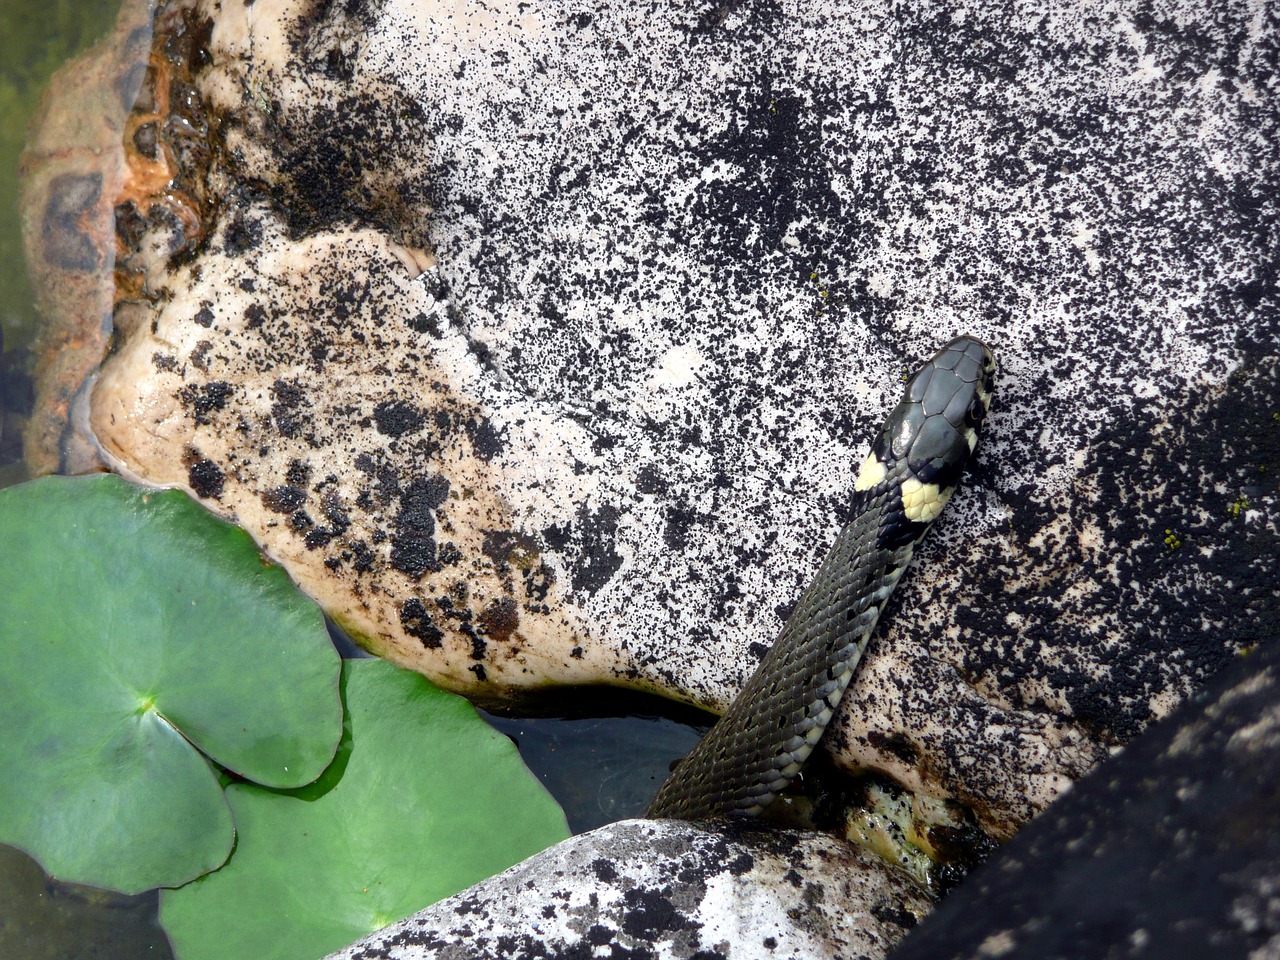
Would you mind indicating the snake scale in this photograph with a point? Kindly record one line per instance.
(760, 743)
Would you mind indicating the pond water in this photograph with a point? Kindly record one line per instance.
(36, 36)
(601, 756)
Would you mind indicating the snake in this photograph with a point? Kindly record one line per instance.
(761, 742)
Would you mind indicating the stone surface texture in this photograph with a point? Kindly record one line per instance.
(542, 340)
(1172, 850)
(652, 889)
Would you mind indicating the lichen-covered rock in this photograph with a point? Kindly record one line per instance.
(541, 342)
(651, 889)
(1171, 850)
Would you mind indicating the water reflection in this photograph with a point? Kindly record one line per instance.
(602, 768)
(42, 919)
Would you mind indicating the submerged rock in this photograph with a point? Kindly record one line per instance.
(74, 171)
(541, 342)
(649, 889)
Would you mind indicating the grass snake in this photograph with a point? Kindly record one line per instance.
(760, 743)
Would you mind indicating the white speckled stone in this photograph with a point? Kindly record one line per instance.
(646, 890)
(542, 342)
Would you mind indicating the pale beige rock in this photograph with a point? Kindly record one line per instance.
(369, 480)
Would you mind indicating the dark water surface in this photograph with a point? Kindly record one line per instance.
(603, 768)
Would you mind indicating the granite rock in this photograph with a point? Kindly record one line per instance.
(652, 889)
(541, 341)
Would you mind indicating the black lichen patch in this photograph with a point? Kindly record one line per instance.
(598, 559)
(650, 480)
(896, 743)
(298, 474)
(413, 544)
(362, 558)
(427, 323)
(741, 864)
(889, 911)
(598, 935)
(327, 159)
(396, 418)
(681, 523)
(205, 477)
(486, 440)
(243, 234)
(203, 400)
(537, 584)
(510, 548)
(255, 315)
(776, 140)
(429, 492)
(417, 622)
(288, 393)
(649, 916)
(332, 507)
(200, 355)
(284, 499)
(287, 410)
(604, 870)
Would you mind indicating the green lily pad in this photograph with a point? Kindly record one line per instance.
(423, 800)
(137, 631)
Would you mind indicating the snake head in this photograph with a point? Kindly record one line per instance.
(928, 439)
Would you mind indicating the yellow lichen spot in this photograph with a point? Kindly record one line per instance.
(1171, 539)
(871, 473)
(922, 502)
(1239, 506)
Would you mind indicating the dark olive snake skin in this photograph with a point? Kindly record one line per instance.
(774, 723)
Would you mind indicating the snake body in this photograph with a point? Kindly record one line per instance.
(760, 743)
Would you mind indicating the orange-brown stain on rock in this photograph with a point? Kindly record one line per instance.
(500, 619)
